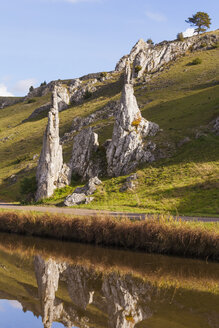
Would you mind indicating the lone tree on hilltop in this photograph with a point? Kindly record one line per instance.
(201, 20)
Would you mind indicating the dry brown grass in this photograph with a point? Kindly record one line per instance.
(152, 236)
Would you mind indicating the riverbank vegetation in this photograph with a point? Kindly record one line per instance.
(158, 235)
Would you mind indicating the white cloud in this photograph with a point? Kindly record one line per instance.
(189, 32)
(4, 91)
(157, 17)
(16, 304)
(23, 86)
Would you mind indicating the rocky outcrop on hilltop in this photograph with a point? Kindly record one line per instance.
(150, 58)
(50, 170)
(128, 146)
(9, 101)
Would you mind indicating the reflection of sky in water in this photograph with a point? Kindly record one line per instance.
(12, 316)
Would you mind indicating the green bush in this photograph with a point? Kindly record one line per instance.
(28, 187)
(88, 94)
(180, 36)
(103, 74)
(30, 101)
(216, 45)
(43, 83)
(196, 61)
(203, 44)
(149, 41)
(138, 68)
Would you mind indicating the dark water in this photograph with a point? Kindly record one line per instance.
(52, 284)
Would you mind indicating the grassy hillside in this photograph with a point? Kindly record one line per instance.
(182, 99)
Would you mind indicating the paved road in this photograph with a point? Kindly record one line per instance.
(87, 212)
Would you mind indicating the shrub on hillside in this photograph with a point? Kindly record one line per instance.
(31, 88)
(196, 61)
(31, 100)
(103, 74)
(138, 68)
(203, 45)
(149, 41)
(216, 45)
(180, 36)
(43, 84)
(88, 94)
(28, 187)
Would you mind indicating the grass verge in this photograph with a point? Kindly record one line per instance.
(153, 236)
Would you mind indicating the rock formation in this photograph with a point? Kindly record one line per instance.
(50, 170)
(85, 144)
(150, 58)
(128, 147)
(81, 195)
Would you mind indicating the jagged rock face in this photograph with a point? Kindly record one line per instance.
(85, 145)
(78, 90)
(152, 58)
(127, 148)
(63, 97)
(51, 160)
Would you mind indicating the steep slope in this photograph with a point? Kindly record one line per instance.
(182, 99)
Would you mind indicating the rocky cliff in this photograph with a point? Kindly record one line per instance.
(149, 58)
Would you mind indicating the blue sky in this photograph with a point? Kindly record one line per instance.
(58, 39)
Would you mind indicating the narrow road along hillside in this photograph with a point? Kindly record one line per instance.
(87, 212)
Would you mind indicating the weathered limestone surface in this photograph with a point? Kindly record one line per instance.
(81, 194)
(128, 147)
(51, 172)
(51, 160)
(152, 57)
(84, 146)
(63, 97)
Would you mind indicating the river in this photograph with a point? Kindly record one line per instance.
(47, 283)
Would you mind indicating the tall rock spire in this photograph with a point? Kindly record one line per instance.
(51, 160)
(128, 147)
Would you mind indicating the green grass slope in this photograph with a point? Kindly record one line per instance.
(182, 99)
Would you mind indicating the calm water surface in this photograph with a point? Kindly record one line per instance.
(46, 283)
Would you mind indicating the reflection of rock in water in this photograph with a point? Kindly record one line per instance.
(78, 286)
(122, 298)
(123, 301)
(47, 275)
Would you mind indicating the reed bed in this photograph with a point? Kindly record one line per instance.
(152, 236)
